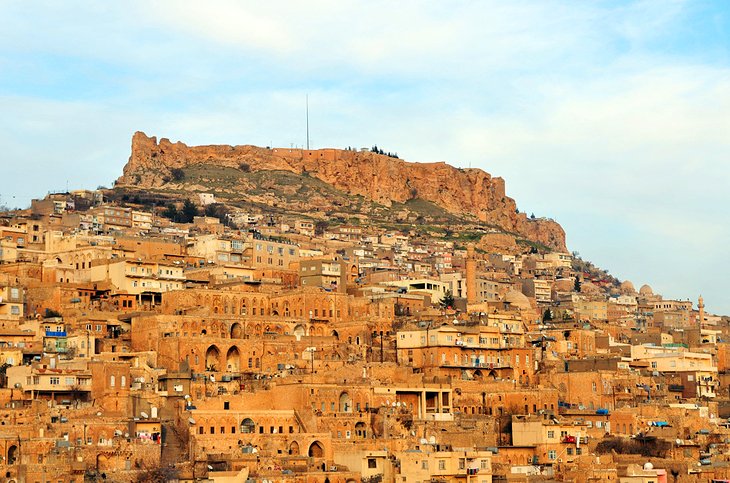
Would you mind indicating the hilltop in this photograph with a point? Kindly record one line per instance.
(311, 180)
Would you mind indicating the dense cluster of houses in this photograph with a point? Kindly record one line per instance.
(284, 349)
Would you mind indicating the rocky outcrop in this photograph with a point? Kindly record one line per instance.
(469, 192)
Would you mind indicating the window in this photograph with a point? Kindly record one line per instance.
(424, 464)
(570, 451)
(442, 464)
(55, 380)
(552, 454)
(112, 381)
(372, 463)
(70, 381)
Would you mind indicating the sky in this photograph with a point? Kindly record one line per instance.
(611, 117)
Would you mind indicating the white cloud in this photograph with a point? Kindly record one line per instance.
(570, 102)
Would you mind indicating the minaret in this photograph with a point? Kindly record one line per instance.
(471, 275)
(701, 306)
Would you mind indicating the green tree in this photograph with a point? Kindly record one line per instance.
(189, 211)
(320, 227)
(177, 174)
(171, 212)
(447, 301)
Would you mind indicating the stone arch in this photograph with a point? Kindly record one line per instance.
(248, 426)
(294, 448)
(361, 431)
(316, 450)
(212, 358)
(12, 454)
(345, 403)
(299, 331)
(233, 359)
(335, 335)
(236, 331)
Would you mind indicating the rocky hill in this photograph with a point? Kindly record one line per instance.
(468, 193)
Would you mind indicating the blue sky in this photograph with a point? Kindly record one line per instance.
(611, 117)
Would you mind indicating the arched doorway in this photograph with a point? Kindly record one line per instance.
(236, 331)
(233, 359)
(299, 331)
(294, 448)
(212, 357)
(335, 335)
(248, 426)
(345, 403)
(12, 454)
(316, 450)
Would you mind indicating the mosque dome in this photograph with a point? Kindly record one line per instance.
(627, 287)
(646, 290)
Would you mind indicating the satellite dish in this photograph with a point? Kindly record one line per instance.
(17, 385)
(432, 440)
(144, 414)
(141, 379)
(99, 413)
(191, 420)
(210, 468)
(212, 378)
(423, 441)
(187, 396)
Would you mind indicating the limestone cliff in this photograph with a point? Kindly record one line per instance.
(469, 192)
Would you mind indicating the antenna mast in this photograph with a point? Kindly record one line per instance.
(307, 102)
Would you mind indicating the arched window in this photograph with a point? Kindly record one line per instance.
(248, 426)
